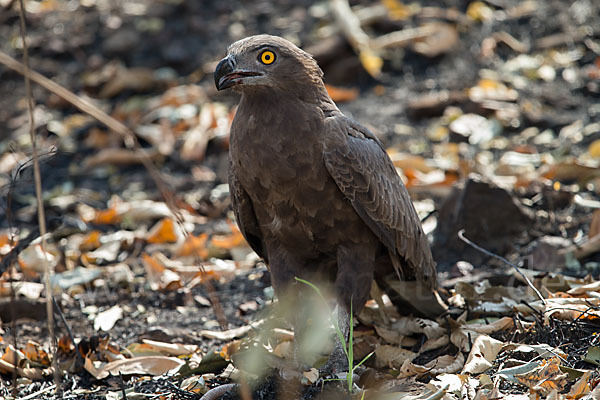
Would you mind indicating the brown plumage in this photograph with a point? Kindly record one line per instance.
(314, 192)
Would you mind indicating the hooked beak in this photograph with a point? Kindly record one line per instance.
(226, 75)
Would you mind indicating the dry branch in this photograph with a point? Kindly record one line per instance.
(403, 37)
(38, 189)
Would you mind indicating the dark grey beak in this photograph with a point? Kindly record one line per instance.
(224, 68)
(227, 75)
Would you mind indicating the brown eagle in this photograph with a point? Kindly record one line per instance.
(314, 192)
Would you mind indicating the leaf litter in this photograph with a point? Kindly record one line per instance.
(495, 110)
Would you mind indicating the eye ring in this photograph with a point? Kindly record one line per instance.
(267, 57)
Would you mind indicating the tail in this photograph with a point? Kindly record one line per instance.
(408, 293)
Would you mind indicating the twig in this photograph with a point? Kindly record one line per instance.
(131, 142)
(38, 189)
(78, 356)
(511, 41)
(13, 324)
(349, 24)
(536, 313)
(461, 235)
(403, 37)
(83, 104)
(39, 392)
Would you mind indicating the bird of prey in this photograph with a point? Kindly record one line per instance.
(313, 191)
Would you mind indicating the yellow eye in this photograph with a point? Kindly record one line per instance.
(267, 57)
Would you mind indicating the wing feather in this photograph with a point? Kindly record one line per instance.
(245, 216)
(358, 163)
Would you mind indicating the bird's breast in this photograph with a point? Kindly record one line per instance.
(278, 159)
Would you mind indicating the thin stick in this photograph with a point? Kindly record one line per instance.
(13, 325)
(349, 24)
(461, 235)
(38, 191)
(402, 38)
(83, 104)
(78, 357)
(131, 142)
(39, 392)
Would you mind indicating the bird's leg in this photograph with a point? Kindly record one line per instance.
(291, 295)
(338, 359)
(352, 285)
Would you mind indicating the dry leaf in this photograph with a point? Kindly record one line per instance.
(482, 355)
(545, 378)
(230, 349)
(489, 89)
(194, 246)
(581, 387)
(165, 231)
(391, 336)
(107, 217)
(107, 319)
(398, 10)
(543, 350)
(108, 252)
(311, 375)
(340, 95)
(284, 350)
(409, 369)
(171, 349)
(457, 384)
(406, 161)
(498, 325)
(410, 325)
(231, 333)
(30, 290)
(6, 244)
(9, 160)
(148, 365)
(371, 62)
(33, 258)
(446, 364)
(479, 11)
(594, 148)
(436, 343)
(34, 352)
(570, 170)
(230, 241)
(65, 345)
(90, 241)
(392, 356)
(442, 39)
(100, 139)
(159, 276)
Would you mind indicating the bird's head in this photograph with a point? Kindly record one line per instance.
(266, 62)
